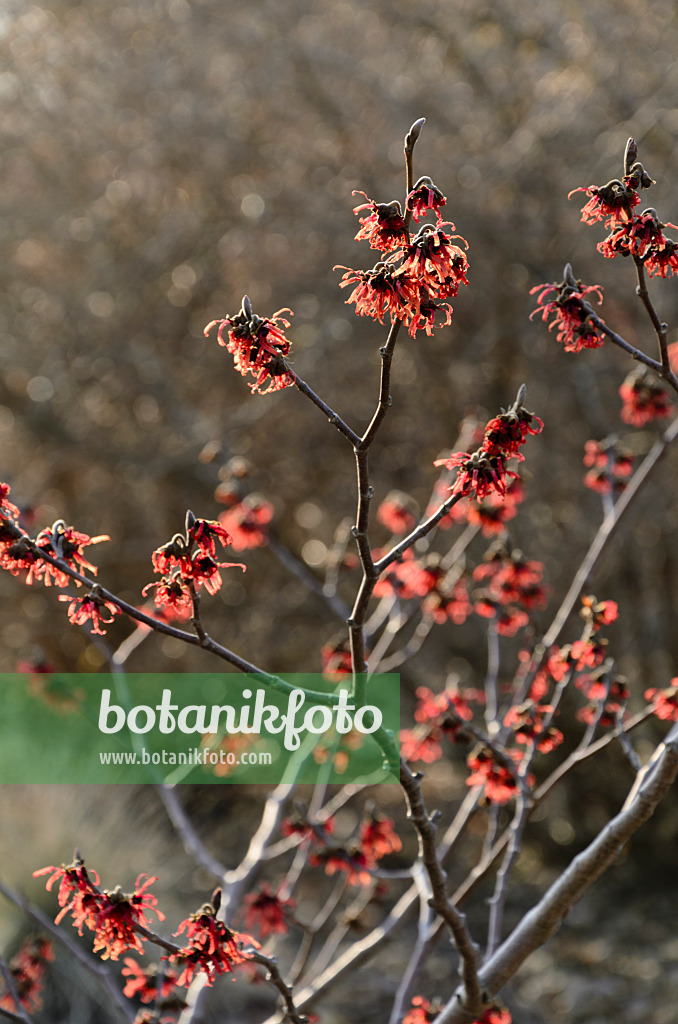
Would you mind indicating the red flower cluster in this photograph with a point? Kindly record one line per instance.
(576, 328)
(258, 346)
(247, 522)
(147, 983)
(631, 234)
(610, 466)
(611, 203)
(307, 831)
(527, 722)
(512, 587)
(407, 578)
(18, 553)
(484, 471)
(498, 780)
(645, 399)
(27, 969)
(335, 858)
(189, 561)
(212, 947)
(396, 513)
(642, 236)
(664, 702)
(113, 916)
(377, 837)
(267, 912)
(439, 715)
(419, 274)
(496, 510)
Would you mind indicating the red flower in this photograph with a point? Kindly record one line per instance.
(484, 472)
(435, 707)
(27, 969)
(205, 533)
(425, 196)
(479, 474)
(336, 858)
(443, 604)
(644, 398)
(507, 432)
(421, 745)
(7, 509)
(434, 263)
(598, 613)
(384, 227)
(384, 289)
(73, 879)
(336, 660)
(494, 1015)
(258, 346)
(612, 202)
(498, 781)
(267, 912)
(212, 947)
(642, 237)
(528, 726)
(573, 322)
(143, 981)
(66, 543)
(204, 570)
(377, 838)
(586, 653)
(496, 510)
(116, 917)
(299, 825)
(507, 619)
(172, 593)
(395, 513)
(664, 702)
(407, 578)
(247, 522)
(610, 466)
(112, 916)
(422, 1011)
(511, 578)
(91, 608)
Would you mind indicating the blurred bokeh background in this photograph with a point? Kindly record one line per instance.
(163, 157)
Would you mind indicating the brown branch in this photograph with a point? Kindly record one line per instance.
(540, 923)
(469, 953)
